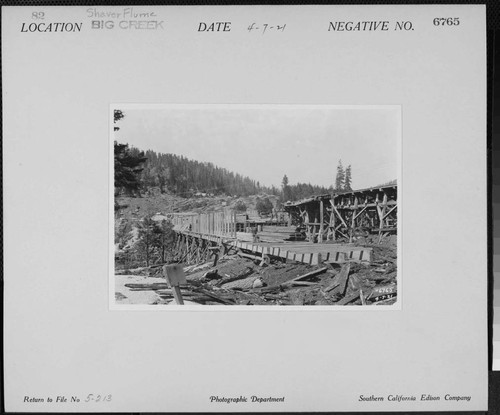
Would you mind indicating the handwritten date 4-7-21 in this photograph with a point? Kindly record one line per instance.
(98, 398)
(446, 21)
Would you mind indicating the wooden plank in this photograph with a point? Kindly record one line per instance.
(300, 283)
(390, 211)
(343, 276)
(338, 214)
(215, 297)
(353, 221)
(333, 285)
(348, 299)
(363, 302)
(360, 212)
(174, 274)
(321, 220)
(176, 290)
(310, 274)
(144, 287)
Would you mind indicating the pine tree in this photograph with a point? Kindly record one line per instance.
(146, 241)
(348, 179)
(287, 191)
(340, 179)
(128, 166)
(164, 238)
(264, 206)
(118, 115)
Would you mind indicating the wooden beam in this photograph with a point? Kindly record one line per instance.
(309, 274)
(381, 215)
(338, 214)
(343, 277)
(353, 221)
(360, 212)
(321, 225)
(348, 299)
(390, 211)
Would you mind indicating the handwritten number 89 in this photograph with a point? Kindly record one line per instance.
(38, 15)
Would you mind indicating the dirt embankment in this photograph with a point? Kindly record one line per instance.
(132, 207)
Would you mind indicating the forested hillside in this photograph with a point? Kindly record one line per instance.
(174, 174)
(138, 173)
(185, 177)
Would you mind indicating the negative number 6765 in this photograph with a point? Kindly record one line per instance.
(446, 21)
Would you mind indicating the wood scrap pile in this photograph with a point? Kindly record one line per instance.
(239, 281)
(281, 233)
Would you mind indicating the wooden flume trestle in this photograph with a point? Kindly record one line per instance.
(347, 215)
(327, 220)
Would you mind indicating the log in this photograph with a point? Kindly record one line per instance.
(253, 257)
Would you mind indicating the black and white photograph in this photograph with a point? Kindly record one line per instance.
(256, 205)
(258, 209)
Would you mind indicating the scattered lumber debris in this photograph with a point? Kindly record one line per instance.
(240, 280)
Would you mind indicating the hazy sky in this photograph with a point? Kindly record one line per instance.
(267, 142)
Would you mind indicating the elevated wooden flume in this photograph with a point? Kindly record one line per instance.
(330, 225)
(348, 214)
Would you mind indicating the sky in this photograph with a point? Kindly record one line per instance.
(267, 142)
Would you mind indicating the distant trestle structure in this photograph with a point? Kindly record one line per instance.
(347, 215)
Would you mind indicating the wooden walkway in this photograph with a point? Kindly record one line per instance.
(309, 253)
(304, 252)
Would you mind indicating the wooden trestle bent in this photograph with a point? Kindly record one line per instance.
(325, 218)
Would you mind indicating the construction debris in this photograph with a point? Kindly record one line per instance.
(240, 280)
